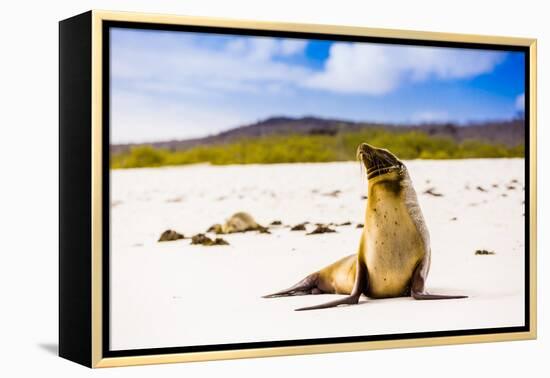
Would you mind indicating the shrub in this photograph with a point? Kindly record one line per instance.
(314, 148)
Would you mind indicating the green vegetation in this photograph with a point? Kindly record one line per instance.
(314, 148)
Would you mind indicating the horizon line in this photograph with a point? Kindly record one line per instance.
(518, 117)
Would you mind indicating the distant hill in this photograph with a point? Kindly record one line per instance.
(509, 133)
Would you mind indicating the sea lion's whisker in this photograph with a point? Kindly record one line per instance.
(379, 171)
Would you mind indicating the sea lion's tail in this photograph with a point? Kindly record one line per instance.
(306, 286)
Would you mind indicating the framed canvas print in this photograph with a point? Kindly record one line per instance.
(236, 189)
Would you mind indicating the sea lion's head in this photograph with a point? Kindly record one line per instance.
(380, 163)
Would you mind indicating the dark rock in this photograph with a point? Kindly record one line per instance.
(299, 227)
(174, 200)
(481, 189)
(276, 223)
(170, 235)
(220, 241)
(263, 230)
(215, 228)
(484, 252)
(321, 229)
(334, 193)
(360, 225)
(202, 239)
(116, 203)
(432, 192)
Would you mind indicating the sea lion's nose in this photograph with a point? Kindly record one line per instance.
(365, 147)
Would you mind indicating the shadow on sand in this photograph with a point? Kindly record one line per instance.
(51, 348)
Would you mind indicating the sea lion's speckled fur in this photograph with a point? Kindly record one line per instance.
(393, 257)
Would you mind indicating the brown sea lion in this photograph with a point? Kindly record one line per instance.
(238, 222)
(393, 259)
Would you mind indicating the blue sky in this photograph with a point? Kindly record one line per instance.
(177, 85)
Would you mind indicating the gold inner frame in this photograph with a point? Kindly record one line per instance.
(97, 248)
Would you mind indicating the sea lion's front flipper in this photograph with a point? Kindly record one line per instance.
(359, 287)
(306, 286)
(418, 290)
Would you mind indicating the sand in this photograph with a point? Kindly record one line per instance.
(176, 294)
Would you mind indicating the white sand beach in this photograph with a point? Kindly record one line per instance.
(177, 294)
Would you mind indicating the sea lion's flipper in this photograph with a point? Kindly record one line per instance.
(349, 300)
(418, 290)
(359, 287)
(306, 286)
(425, 296)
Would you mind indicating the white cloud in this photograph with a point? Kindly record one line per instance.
(262, 49)
(377, 69)
(240, 65)
(354, 68)
(290, 47)
(265, 48)
(520, 102)
(136, 119)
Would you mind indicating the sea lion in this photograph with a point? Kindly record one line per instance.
(393, 258)
(239, 222)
